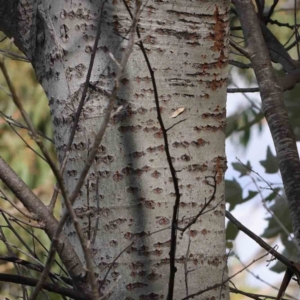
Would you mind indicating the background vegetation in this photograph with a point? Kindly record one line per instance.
(244, 124)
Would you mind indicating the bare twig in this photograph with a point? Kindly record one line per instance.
(273, 215)
(27, 145)
(252, 295)
(274, 108)
(87, 80)
(13, 55)
(15, 123)
(53, 167)
(275, 2)
(186, 271)
(260, 241)
(225, 281)
(243, 90)
(26, 118)
(124, 250)
(206, 204)
(3, 239)
(35, 238)
(35, 205)
(53, 199)
(262, 280)
(22, 210)
(296, 28)
(245, 51)
(55, 288)
(13, 218)
(9, 225)
(95, 229)
(34, 267)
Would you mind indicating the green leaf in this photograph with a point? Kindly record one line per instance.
(229, 244)
(282, 213)
(234, 193)
(271, 162)
(279, 267)
(273, 195)
(251, 194)
(290, 251)
(245, 129)
(231, 231)
(243, 169)
(231, 125)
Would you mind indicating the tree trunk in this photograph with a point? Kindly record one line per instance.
(129, 192)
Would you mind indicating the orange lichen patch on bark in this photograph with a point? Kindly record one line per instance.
(117, 177)
(220, 166)
(162, 262)
(151, 129)
(140, 273)
(162, 220)
(218, 37)
(187, 204)
(160, 148)
(132, 236)
(141, 79)
(130, 128)
(153, 276)
(219, 31)
(209, 128)
(218, 213)
(136, 154)
(204, 73)
(206, 66)
(216, 116)
(136, 265)
(205, 96)
(204, 231)
(215, 262)
(162, 245)
(135, 285)
(151, 296)
(155, 174)
(199, 143)
(157, 190)
(197, 168)
(220, 109)
(193, 233)
(179, 34)
(183, 144)
(214, 84)
(149, 204)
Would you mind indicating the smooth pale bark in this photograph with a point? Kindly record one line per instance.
(186, 42)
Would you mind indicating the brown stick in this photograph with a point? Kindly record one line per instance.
(274, 109)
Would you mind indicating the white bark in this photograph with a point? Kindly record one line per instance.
(186, 43)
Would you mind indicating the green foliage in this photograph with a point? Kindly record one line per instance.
(289, 251)
(231, 233)
(270, 163)
(242, 122)
(16, 148)
(234, 193)
(240, 127)
(243, 169)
